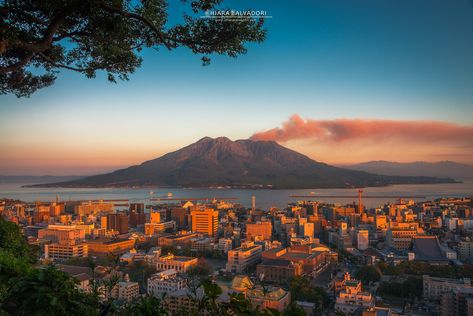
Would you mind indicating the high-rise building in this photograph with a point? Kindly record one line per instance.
(136, 218)
(154, 217)
(205, 221)
(306, 230)
(118, 222)
(137, 207)
(180, 215)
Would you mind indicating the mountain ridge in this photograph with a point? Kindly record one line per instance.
(444, 168)
(243, 163)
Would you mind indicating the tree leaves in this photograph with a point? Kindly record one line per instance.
(39, 38)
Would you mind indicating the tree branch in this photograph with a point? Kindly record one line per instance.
(47, 40)
(138, 17)
(59, 65)
(20, 64)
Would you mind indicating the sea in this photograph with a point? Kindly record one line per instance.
(265, 198)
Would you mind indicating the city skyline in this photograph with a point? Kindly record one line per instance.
(321, 62)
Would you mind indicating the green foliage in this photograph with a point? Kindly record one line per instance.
(301, 290)
(388, 269)
(411, 288)
(201, 269)
(145, 306)
(105, 35)
(421, 268)
(48, 292)
(16, 256)
(13, 241)
(368, 274)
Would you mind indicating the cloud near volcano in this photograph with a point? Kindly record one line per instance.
(343, 130)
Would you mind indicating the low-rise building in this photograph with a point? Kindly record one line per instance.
(103, 247)
(126, 291)
(263, 230)
(179, 263)
(351, 297)
(243, 257)
(457, 302)
(155, 228)
(270, 298)
(165, 282)
(433, 287)
(64, 251)
(278, 270)
(225, 244)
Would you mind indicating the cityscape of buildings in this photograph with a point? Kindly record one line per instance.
(357, 257)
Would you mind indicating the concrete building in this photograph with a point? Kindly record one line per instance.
(433, 287)
(118, 222)
(400, 238)
(351, 297)
(263, 230)
(181, 216)
(103, 247)
(243, 257)
(456, 303)
(126, 291)
(278, 270)
(137, 207)
(181, 239)
(225, 244)
(205, 221)
(362, 239)
(61, 252)
(156, 228)
(62, 233)
(179, 263)
(465, 250)
(93, 208)
(165, 282)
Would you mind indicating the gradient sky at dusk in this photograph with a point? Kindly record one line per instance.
(403, 60)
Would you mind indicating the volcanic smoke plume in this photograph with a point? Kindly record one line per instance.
(342, 130)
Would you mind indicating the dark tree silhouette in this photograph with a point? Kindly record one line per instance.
(40, 38)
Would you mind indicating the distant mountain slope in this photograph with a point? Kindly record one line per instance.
(241, 163)
(36, 179)
(443, 169)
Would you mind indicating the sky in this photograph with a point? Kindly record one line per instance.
(340, 81)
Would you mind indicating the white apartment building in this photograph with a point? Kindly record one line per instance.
(166, 281)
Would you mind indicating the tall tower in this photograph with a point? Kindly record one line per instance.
(360, 205)
(253, 202)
